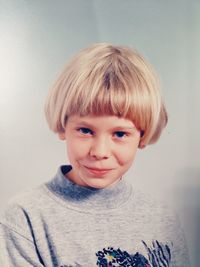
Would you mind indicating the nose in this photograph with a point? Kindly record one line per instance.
(100, 148)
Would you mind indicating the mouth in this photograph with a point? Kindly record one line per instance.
(97, 171)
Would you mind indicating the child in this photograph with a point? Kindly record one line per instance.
(105, 105)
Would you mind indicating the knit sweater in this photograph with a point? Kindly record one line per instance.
(62, 224)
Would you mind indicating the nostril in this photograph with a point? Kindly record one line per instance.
(98, 155)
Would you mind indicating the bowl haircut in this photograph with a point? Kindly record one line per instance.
(105, 79)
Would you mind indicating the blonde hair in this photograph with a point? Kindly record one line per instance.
(104, 79)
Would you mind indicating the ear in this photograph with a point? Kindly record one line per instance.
(61, 135)
(141, 145)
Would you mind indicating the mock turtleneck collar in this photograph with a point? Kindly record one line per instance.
(88, 198)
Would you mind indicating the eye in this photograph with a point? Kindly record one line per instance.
(85, 131)
(120, 134)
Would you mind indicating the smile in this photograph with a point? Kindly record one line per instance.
(97, 171)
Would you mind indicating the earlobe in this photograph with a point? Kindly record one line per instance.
(141, 145)
(61, 135)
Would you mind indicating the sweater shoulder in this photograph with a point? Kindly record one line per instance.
(16, 213)
(154, 209)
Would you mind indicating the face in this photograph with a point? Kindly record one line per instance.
(100, 148)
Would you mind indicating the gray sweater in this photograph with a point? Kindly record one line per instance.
(61, 224)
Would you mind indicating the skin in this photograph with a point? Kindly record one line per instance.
(100, 149)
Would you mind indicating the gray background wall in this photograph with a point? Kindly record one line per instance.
(36, 40)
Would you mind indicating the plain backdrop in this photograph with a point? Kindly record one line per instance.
(37, 38)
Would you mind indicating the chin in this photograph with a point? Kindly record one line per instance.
(99, 183)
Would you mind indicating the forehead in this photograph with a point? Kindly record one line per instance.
(101, 120)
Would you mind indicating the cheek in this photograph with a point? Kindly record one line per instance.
(76, 149)
(127, 153)
(127, 158)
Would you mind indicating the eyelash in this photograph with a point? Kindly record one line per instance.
(84, 130)
(87, 131)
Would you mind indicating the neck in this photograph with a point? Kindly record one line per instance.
(88, 198)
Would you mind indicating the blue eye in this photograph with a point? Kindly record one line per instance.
(84, 130)
(120, 134)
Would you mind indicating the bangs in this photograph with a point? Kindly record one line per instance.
(110, 94)
(101, 101)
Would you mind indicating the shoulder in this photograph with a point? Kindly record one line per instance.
(17, 211)
(150, 202)
(157, 212)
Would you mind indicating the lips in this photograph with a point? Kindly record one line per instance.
(97, 171)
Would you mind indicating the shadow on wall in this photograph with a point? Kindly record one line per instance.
(187, 199)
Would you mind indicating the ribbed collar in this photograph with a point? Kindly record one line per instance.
(88, 198)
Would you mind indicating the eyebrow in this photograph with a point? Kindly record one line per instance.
(84, 123)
